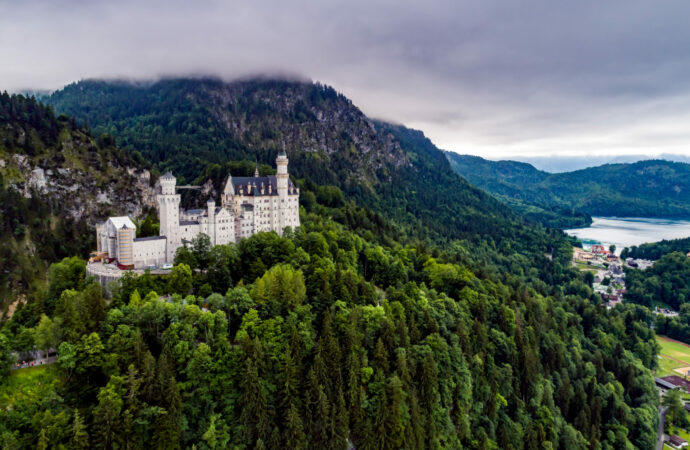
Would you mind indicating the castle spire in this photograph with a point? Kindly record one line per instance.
(256, 170)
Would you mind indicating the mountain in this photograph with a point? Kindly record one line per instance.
(56, 180)
(653, 188)
(195, 126)
(556, 163)
(409, 309)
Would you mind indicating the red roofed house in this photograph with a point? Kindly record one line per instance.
(599, 249)
(678, 382)
(677, 442)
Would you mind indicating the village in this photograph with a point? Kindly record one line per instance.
(608, 270)
(673, 373)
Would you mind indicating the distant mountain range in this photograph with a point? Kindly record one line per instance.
(556, 163)
(652, 188)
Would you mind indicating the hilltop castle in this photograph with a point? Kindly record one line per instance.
(248, 205)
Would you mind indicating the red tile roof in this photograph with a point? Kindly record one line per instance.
(678, 381)
(676, 440)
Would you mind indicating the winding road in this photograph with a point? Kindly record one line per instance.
(660, 433)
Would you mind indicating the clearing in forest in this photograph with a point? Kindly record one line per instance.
(674, 357)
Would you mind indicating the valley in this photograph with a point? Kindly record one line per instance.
(651, 188)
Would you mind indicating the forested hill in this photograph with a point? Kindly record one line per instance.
(56, 180)
(655, 250)
(193, 127)
(372, 325)
(653, 188)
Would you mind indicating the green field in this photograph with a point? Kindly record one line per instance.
(26, 385)
(672, 356)
(586, 267)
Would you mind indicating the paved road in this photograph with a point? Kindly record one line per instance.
(660, 433)
(37, 362)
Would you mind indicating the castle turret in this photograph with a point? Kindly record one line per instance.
(211, 208)
(125, 244)
(169, 214)
(282, 174)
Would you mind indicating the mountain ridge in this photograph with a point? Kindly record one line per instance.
(195, 126)
(651, 188)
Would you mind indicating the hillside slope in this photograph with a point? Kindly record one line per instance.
(194, 127)
(653, 188)
(56, 181)
(336, 335)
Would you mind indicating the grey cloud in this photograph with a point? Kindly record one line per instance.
(482, 76)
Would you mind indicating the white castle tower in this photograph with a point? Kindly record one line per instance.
(169, 214)
(282, 179)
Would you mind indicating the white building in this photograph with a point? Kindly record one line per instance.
(248, 205)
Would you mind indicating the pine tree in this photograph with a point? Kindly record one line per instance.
(254, 415)
(340, 423)
(395, 413)
(80, 437)
(294, 437)
(322, 418)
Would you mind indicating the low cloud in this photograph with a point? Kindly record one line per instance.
(483, 77)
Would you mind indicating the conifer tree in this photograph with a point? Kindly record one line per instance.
(80, 437)
(294, 437)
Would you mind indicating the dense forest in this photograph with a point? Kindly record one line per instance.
(653, 188)
(322, 338)
(667, 282)
(655, 250)
(409, 309)
(44, 222)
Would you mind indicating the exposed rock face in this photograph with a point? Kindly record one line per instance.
(70, 173)
(303, 117)
(317, 127)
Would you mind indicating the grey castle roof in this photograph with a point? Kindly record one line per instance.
(168, 176)
(151, 238)
(188, 222)
(270, 180)
(665, 384)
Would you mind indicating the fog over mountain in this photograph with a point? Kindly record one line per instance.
(490, 78)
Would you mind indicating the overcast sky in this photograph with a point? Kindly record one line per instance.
(484, 77)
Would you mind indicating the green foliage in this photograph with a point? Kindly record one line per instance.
(180, 279)
(675, 414)
(329, 345)
(280, 289)
(655, 250)
(653, 188)
(667, 281)
(6, 358)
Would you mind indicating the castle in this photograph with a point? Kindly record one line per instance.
(248, 205)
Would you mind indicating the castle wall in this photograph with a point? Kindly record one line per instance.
(149, 251)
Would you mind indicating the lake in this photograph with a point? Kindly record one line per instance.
(629, 231)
